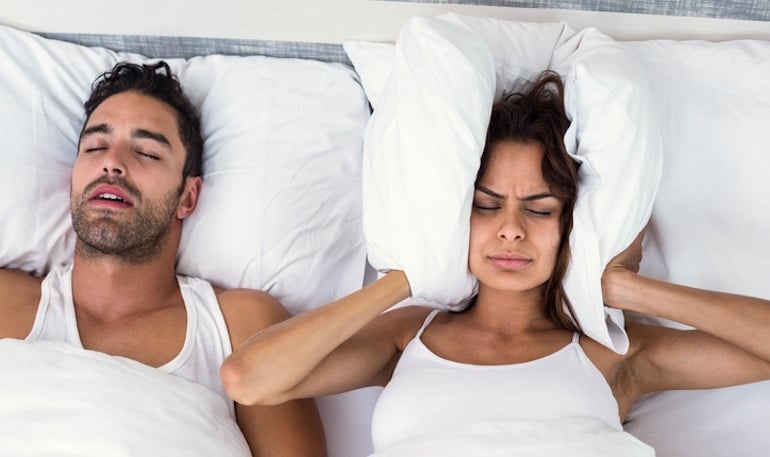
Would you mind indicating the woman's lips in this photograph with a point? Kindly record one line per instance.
(509, 261)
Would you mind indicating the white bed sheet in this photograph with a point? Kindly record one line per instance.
(58, 400)
(576, 437)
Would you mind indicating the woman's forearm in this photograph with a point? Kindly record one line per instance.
(743, 321)
(275, 360)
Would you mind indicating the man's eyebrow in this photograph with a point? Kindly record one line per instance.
(99, 128)
(527, 198)
(144, 133)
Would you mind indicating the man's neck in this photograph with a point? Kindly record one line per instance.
(109, 289)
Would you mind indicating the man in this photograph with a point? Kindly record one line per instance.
(135, 179)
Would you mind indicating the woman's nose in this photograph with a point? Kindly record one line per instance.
(511, 228)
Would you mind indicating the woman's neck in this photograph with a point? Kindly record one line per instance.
(511, 312)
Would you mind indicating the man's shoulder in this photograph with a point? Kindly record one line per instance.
(17, 285)
(247, 311)
(247, 298)
(19, 297)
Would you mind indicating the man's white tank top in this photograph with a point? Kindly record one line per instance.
(429, 394)
(207, 341)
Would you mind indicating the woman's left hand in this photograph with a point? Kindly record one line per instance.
(623, 263)
(631, 257)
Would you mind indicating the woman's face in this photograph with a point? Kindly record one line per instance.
(515, 222)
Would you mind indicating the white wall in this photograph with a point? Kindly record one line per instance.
(328, 21)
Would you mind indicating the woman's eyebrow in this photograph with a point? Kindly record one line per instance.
(490, 192)
(526, 198)
(539, 196)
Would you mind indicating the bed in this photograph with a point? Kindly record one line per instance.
(277, 68)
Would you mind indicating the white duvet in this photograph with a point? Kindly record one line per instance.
(58, 400)
(570, 437)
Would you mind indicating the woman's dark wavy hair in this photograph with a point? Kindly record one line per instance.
(537, 115)
(156, 81)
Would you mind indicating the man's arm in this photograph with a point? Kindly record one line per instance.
(19, 299)
(293, 428)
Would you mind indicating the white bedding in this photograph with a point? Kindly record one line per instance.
(577, 437)
(58, 400)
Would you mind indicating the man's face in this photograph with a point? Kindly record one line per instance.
(127, 180)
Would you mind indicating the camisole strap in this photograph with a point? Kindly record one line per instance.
(427, 322)
(576, 337)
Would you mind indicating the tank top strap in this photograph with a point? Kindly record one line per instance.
(576, 337)
(428, 320)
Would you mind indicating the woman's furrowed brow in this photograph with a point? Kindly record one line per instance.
(539, 196)
(527, 198)
(490, 192)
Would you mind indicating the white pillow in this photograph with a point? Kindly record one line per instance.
(283, 136)
(41, 111)
(711, 219)
(373, 62)
(710, 224)
(521, 50)
(280, 208)
(615, 135)
(421, 155)
(621, 153)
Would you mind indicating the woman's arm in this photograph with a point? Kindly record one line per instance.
(740, 320)
(334, 348)
(730, 346)
(291, 429)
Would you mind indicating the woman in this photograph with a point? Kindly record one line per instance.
(514, 353)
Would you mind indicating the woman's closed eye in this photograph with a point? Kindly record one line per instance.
(486, 206)
(539, 212)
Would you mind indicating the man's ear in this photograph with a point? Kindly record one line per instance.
(189, 199)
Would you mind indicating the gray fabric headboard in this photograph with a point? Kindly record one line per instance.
(756, 10)
(186, 47)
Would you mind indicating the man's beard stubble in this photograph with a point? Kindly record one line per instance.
(134, 241)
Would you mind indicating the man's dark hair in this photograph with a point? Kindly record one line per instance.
(156, 81)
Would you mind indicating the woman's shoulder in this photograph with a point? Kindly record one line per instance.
(623, 371)
(404, 322)
(411, 315)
